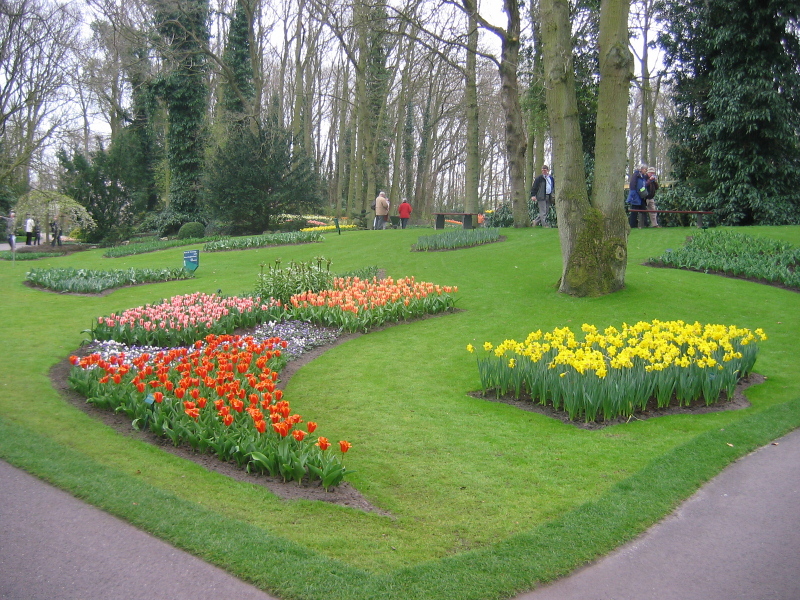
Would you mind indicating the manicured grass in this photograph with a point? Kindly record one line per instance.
(486, 500)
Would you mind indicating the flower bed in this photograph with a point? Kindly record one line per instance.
(358, 305)
(328, 228)
(217, 397)
(260, 241)
(91, 281)
(457, 238)
(616, 373)
(182, 320)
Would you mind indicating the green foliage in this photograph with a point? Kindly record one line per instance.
(501, 217)
(90, 281)
(192, 229)
(457, 238)
(737, 255)
(684, 196)
(237, 87)
(260, 241)
(8, 255)
(257, 175)
(94, 183)
(184, 90)
(281, 283)
(155, 245)
(737, 97)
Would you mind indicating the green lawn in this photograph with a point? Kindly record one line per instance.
(486, 499)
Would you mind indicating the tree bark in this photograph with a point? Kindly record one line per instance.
(593, 233)
(516, 144)
(473, 162)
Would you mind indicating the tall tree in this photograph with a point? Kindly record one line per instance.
(256, 177)
(184, 90)
(736, 83)
(592, 231)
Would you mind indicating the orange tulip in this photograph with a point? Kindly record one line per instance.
(311, 426)
(323, 443)
(344, 446)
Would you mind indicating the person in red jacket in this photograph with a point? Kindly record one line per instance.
(404, 210)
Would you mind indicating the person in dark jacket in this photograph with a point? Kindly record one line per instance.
(544, 186)
(638, 192)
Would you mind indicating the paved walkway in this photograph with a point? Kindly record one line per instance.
(738, 538)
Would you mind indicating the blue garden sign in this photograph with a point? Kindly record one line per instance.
(191, 259)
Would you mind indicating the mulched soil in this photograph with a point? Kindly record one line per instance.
(698, 407)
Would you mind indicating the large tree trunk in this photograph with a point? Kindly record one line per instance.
(516, 144)
(473, 163)
(593, 234)
(616, 66)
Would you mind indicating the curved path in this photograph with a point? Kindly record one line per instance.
(737, 538)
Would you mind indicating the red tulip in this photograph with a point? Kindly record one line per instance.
(344, 446)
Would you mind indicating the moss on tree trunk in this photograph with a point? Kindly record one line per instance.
(596, 259)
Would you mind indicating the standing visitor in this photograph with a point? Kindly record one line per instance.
(542, 191)
(29, 224)
(636, 196)
(11, 226)
(404, 210)
(381, 211)
(652, 188)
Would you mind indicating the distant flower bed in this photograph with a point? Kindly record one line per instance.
(738, 255)
(457, 238)
(8, 255)
(218, 396)
(90, 281)
(155, 245)
(260, 241)
(617, 372)
(328, 228)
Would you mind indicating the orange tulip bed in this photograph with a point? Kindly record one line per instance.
(219, 397)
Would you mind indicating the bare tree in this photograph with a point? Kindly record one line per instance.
(37, 45)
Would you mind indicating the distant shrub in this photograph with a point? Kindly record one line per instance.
(501, 217)
(191, 230)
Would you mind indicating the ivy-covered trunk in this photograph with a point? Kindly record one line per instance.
(184, 90)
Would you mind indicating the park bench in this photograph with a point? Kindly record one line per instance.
(470, 220)
(699, 213)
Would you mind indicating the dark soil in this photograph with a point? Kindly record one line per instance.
(698, 407)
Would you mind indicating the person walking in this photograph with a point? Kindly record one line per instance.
(652, 188)
(542, 191)
(381, 211)
(404, 210)
(636, 196)
(29, 225)
(11, 226)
